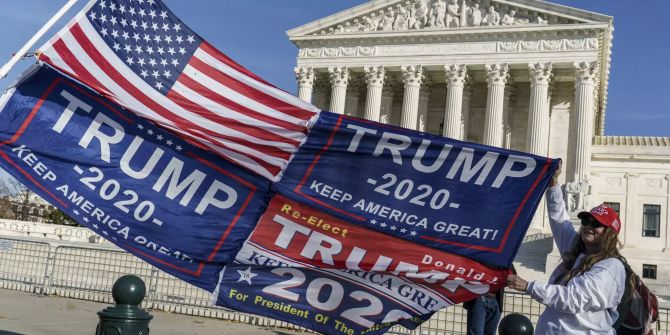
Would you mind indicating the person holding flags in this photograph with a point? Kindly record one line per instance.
(585, 289)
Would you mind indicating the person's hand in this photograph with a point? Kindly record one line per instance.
(554, 178)
(517, 283)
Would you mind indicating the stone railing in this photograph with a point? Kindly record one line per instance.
(632, 141)
(48, 231)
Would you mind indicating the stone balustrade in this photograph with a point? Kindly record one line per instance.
(17, 228)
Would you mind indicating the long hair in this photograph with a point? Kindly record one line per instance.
(609, 248)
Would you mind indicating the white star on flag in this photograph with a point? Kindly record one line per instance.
(246, 275)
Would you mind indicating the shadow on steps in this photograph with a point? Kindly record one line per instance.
(533, 252)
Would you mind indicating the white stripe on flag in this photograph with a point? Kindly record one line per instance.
(269, 90)
(241, 99)
(216, 108)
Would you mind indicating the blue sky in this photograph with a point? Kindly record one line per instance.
(253, 33)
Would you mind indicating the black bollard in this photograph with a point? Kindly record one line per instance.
(515, 324)
(126, 317)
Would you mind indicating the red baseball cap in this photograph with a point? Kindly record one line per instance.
(604, 214)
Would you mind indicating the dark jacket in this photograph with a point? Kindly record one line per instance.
(500, 295)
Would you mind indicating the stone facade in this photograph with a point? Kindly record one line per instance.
(527, 75)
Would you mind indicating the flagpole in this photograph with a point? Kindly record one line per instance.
(17, 56)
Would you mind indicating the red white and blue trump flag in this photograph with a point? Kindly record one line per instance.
(182, 157)
(139, 54)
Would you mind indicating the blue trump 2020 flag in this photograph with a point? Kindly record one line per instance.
(464, 198)
(183, 209)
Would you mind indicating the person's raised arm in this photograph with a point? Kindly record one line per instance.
(559, 219)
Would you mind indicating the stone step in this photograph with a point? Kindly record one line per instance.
(530, 274)
(531, 258)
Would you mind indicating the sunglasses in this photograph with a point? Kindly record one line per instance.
(592, 222)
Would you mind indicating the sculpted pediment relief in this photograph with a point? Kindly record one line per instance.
(413, 15)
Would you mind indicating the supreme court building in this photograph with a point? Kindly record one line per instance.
(526, 75)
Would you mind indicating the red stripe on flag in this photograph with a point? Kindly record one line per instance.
(79, 70)
(255, 130)
(264, 148)
(205, 46)
(272, 169)
(63, 51)
(249, 91)
(223, 101)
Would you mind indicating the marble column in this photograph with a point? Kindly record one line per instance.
(321, 91)
(339, 79)
(585, 85)
(550, 94)
(424, 96)
(374, 77)
(353, 96)
(388, 95)
(455, 76)
(496, 77)
(537, 139)
(627, 234)
(550, 109)
(507, 115)
(305, 77)
(537, 134)
(412, 76)
(464, 14)
(465, 112)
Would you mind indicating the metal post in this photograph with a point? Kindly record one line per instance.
(153, 287)
(126, 317)
(48, 270)
(18, 55)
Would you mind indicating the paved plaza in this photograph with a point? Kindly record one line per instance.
(24, 313)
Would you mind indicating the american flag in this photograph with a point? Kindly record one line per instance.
(139, 54)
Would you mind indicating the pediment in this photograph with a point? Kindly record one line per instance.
(395, 16)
